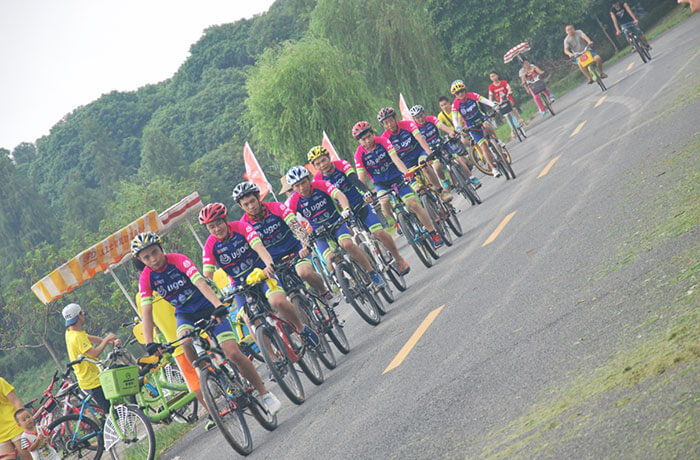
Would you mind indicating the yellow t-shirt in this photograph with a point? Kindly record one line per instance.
(446, 119)
(163, 318)
(78, 343)
(8, 426)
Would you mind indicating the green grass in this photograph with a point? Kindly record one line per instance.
(31, 382)
(168, 436)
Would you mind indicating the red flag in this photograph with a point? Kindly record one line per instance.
(253, 171)
(405, 113)
(326, 143)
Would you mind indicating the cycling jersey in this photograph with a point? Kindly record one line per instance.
(274, 230)
(430, 130)
(468, 108)
(175, 283)
(378, 163)
(339, 178)
(405, 142)
(500, 91)
(320, 206)
(234, 255)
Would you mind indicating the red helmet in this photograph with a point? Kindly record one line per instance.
(211, 212)
(360, 128)
(386, 112)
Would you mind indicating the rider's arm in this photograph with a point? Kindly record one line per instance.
(566, 51)
(208, 260)
(585, 37)
(537, 70)
(614, 20)
(147, 312)
(281, 210)
(97, 350)
(629, 10)
(355, 180)
(444, 128)
(207, 291)
(340, 198)
(456, 118)
(488, 102)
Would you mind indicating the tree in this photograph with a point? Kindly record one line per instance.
(24, 153)
(300, 89)
(161, 156)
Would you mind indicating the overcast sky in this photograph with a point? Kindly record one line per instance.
(56, 55)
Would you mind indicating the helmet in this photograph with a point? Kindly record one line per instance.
(211, 212)
(457, 85)
(385, 113)
(144, 240)
(416, 110)
(245, 188)
(296, 173)
(360, 129)
(316, 152)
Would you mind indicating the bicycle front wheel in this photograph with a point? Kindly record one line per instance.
(412, 235)
(76, 437)
(392, 273)
(279, 363)
(132, 436)
(221, 400)
(307, 310)
(479, 160)
(357, 295)
(547, 103)
(428, 202)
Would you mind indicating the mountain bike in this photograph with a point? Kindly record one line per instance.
(501, 156)
(586, 60)
(354, 281)
(312, 309)
(460, 180)
(506, 109)
(636, 43)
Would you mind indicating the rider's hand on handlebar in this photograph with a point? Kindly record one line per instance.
(367, 196)
(304, 253)
(219, 313)
(152, 348)
(269, 271)
(408, 176)
(345, 213)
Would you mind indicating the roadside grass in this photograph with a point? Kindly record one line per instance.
(31, 382)
(168, 436)
(665, 353)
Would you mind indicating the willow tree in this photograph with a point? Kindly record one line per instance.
(301, 88)
(392, 42)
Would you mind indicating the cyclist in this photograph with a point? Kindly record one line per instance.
(623, 18)
(281, 233)
(79, 342)
(343, 177)
(10, 431)
(499, 90)
(429, 126)
(376, 157)
(529, 73)
(176, 279)
(465, 112)
(409, 144)
(316, 201)
(445, 115)
(575, 42)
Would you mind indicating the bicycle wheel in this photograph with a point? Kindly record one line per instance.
(453, 221)
(337, 334)
(279, 363)
(373, 258)
(306, 310)
(479, 160)
(366, 282)
(221, 398)
(392, 273)
(357, 295)
(76, 437)
(502, 160)
(308, 359)
(428, 202)
(187, 413)
(513, 122)
(412, 235)
(522, 132)
(547, 103)
(137, 439)
(646, 52)
(259, 411)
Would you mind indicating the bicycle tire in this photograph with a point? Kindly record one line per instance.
(462, 182)
(480, 161)
(502, 160)
(413, 241)
(396, 278)
(63, 428)
(428, 202)
(187, 413)
(366, 282)
(280, 365)
(346, 274)
(426, 240)
(216, 389)
(515, 127)
(522, 132)
(337, 335)
(646, 53)
(304, 306)
(128, 417)
(386, 291)
(547, 102)
(308, 359)
(453, 222)
(259, 411)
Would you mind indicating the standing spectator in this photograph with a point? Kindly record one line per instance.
(575, 43)
(529, 74)
(10, 432)
(35, 439)
(78, 342)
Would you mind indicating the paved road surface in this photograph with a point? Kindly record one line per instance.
(510, 327)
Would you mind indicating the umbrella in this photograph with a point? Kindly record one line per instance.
(516, 51)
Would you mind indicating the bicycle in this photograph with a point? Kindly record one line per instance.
(585, 59)
(413, 230)
(506, 109)
(539, 87)
(227, 394)
(311, 308)
(442, 214)
(460, 180)
(501, 156)
(353, 280)
(379, 256)
(636, 43)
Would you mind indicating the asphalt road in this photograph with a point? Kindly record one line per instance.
(510, 327)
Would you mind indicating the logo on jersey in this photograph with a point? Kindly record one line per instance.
(225, 259)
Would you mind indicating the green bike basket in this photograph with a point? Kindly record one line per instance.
(120, 381)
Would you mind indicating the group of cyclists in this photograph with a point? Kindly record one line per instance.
(270, 232)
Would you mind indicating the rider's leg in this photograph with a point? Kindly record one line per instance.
(463, 163)
(422, 214)
(278, 300)
(584, 71)
(484, 146)
(387, 210)
(307, 273)
(517, 115)
(356, 253)
(433, 178)
(245, 365)
(538, 102)
(599, 63)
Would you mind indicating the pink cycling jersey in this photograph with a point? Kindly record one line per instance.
(175, 283)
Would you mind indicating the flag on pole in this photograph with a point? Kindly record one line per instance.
(253, 171)
(405, 114)
(326, 143)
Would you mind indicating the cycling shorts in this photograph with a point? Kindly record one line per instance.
(367, 215)
(295, 251)
(185, 322)
(422, 156)
(342, 233)
(631, 27)
(241, 301)
(405, 192)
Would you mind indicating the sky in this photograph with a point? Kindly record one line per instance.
(56, 55)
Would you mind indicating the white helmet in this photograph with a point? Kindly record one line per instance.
(296, 174)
